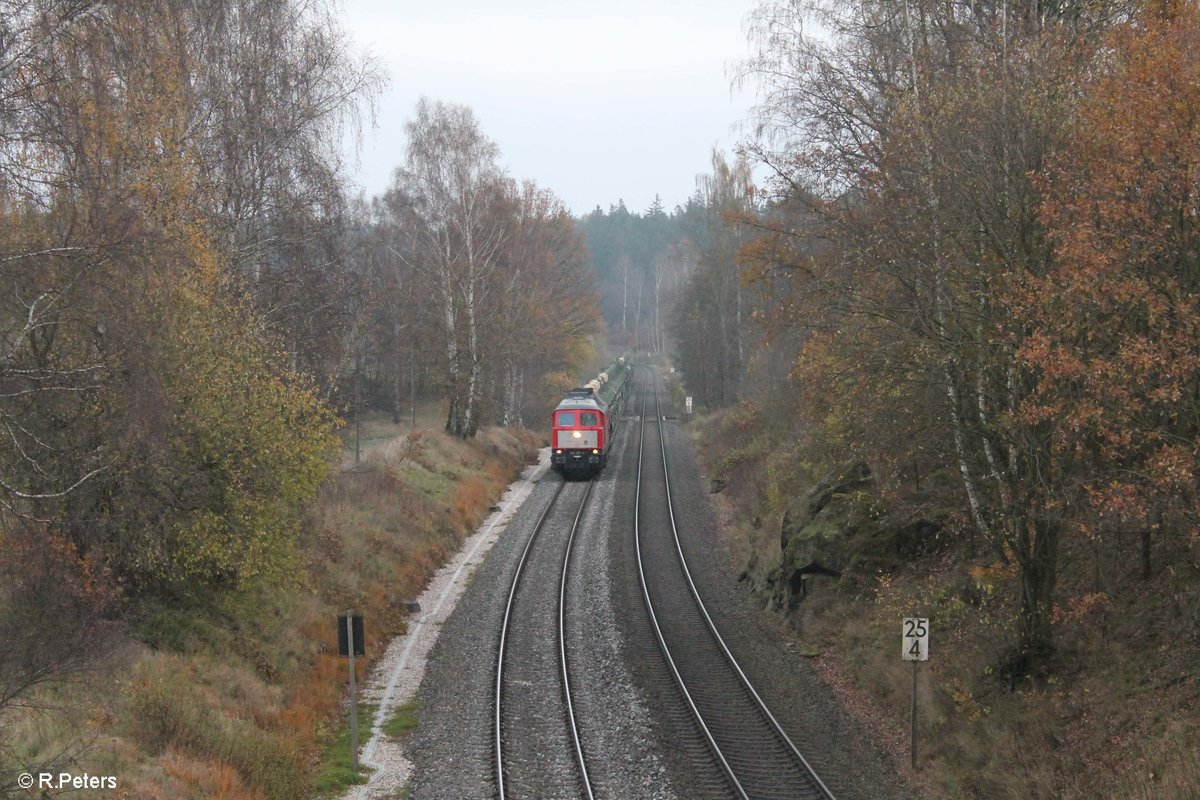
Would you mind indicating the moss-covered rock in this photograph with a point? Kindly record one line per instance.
(814, 524)
(837, 525)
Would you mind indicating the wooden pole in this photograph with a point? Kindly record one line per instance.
(913, 716)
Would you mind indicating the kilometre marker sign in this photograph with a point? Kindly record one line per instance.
(915, 639)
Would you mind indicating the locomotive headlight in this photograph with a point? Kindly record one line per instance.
(577, 434)
(595, 452)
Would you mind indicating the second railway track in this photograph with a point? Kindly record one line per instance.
(538, 748)
(756, 756)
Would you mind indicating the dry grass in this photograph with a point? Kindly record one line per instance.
(208, 779)
(471, 499)
(240, 703)
(1111, 722)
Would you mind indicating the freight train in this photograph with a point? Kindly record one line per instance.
(582, 425)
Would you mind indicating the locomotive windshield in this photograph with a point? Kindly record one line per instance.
(588, 418)
(566, 418)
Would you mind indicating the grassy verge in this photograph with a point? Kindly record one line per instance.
(337, 772)
(245, 701)
(403, 721)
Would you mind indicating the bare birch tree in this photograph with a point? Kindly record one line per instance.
(548, 304)
(454, 184)
(913, 129)
(712, 302)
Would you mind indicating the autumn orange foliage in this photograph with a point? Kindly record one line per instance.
(1115, 340)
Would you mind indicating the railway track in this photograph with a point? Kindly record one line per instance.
(756, 757)
(538, 749)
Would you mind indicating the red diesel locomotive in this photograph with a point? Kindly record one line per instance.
(581, 427)
(581, 431)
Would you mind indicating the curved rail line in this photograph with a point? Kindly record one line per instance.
(747, 781)
(564, 671)
(562, 648)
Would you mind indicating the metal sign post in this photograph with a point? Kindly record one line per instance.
(350, 644)
(914, 644)
(354, 689)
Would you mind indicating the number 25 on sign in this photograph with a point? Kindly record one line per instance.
(916, 639)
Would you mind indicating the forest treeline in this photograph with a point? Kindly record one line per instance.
(190, 296)
(669, 281)
(980, 258)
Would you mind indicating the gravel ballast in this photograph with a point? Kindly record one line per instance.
(451, 750)
(637, 745)
(396, 676)
(840, 751)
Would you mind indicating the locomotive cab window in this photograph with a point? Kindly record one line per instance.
(566, 418)
(588, 418)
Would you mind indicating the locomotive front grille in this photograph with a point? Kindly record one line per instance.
(576, 439)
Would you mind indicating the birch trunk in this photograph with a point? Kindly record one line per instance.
(453, 368)
(512, 396)
(397, 405)
(470, 413)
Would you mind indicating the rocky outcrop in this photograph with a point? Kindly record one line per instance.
(837, 525)
(813, 524)
(815, 534)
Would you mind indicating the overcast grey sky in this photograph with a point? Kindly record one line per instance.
(597, 101)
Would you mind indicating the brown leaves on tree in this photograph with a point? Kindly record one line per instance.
(1116, 322)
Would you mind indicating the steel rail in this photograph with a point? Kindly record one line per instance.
(751, 691)
(503, 646)
(562, 647)
(512, 593)
(662, 642)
